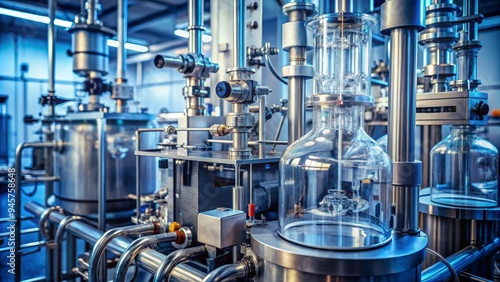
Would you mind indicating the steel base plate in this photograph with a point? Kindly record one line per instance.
(401, 254)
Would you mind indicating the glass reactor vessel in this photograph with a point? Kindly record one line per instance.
(335, 182)
(464, 170)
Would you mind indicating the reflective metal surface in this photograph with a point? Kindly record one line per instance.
(76, 162)
(281, 260)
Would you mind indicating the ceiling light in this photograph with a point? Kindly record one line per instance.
(66, 24)
(129, 46)
(34, 17)
(185, 34)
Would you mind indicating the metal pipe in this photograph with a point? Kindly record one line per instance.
(121, 56)
(92, 11)
(239, 40)
(461, 261)
(278, 131)
(61, 229)
(101, 174)
(253, 143)
(402, 114)
(51, 40)
(226, 273)
(195, 26)
(149, 260)
(296, 106)
(100, 246)
(262, 125)
(174, 259)
(18, 195)
(168, 62)
(137, 247)
(138, 167)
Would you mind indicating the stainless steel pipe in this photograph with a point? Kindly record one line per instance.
(174, 258)
(239, 39)
(121, 55)
(296, 105)
(101, 174)
(136, 248)
(226, 273)
(51, 40)
(195, 26)
(402, 120)
(18, 175)
(149, 260)
(262, 125)
(61, 229)
(100, 246)
(460, 261)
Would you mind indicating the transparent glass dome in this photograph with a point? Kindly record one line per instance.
(342, 46)
(464, 170)
(335, 184)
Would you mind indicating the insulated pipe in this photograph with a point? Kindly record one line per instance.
(121, 56)
(100, 246)
(174, 258)
(17, 208)
(460, 261)
(137, 247)
(61, 229)
(195, 26)
(226, 273)
(239, 40)
(149, 260)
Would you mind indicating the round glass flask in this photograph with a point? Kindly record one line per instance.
(335, 182)
(464, 170)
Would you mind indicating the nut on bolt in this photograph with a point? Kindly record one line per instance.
(170, 129)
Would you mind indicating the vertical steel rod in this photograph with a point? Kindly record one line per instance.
(262, 125)
(402, 103)
(239, 42)
(121, 57)
(195, 26)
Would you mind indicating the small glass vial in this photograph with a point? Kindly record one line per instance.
(464, 170)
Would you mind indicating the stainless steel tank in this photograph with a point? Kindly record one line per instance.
(77, 161)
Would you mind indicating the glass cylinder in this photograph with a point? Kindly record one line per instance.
(464, 170)
(342, 46)
(335, 184)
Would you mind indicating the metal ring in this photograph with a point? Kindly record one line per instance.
(42, 224)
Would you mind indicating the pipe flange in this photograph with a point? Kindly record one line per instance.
(188, 238)
(298, 71)
(43, 223)
(308, 8)
(468, 44)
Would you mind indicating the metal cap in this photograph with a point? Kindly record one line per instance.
(402, 13)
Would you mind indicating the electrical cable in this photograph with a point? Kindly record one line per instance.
(273, 71)
(443, 260)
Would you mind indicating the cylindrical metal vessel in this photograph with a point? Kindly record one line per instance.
(281, 260)
(467, 224)
(4, 130)
(77, 161)
(89, 48)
